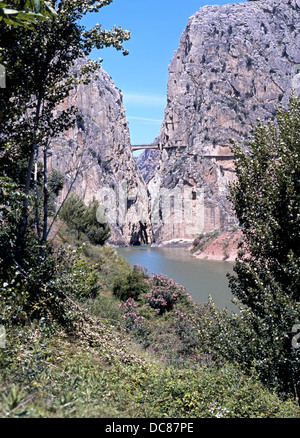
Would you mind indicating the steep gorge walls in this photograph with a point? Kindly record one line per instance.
(235, 64)
(98, 152)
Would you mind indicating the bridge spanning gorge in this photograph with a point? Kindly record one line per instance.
(139, 147)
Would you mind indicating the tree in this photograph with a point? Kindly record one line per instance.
(39, 64)
(266, 199)
(11, 201)
(97, 228)
(85, 219)
(55, 185)
(73, 213)
(39, 59)
(24, 13)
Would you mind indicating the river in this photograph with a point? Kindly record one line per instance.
(201, 278)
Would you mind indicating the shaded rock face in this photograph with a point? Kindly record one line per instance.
(98, 152)
(235, 63)
(147, 163)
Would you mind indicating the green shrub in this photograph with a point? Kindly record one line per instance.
(216, 393)
(265, 197)
(84, 219)
(75, 275)
(133, 285)
(55, 185)
(73, 213)
(97, 228)
(56, 376)
(29, 292)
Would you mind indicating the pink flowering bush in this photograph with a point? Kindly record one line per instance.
(186, 331)
(164, 294)
(160, 317)
(133, 320)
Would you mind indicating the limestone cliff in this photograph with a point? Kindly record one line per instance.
(98, 153)
(147, 163)
(235, 64)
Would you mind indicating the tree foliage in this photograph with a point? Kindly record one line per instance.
(83, 219)
(97, 228)
(24, 13)
(39, 65)
(266, 198)
(42, 67)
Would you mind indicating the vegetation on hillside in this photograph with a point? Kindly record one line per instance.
(84, 220)
(139, 358)
(266, 199)
(87, 335)
(38, 60)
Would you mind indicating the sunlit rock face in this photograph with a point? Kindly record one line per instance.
(235, 64)
(98, 152)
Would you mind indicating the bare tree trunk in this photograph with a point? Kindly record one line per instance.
(62, 204)
(24, 219)
(37, 216)
(46, 199)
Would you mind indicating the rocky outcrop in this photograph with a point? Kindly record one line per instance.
(235, 64)
(98, 153)
(223, 246)
(147, 163)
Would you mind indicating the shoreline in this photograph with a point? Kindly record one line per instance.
(221, 247)
(216, 246)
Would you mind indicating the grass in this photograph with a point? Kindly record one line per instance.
(100, 375)
(107, 365)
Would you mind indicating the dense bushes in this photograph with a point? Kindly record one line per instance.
(76, 276)
(95, 373)
(34, 287)
(50, 377)
(39, 293)
(196, 348)
(266, 199)
(164, 294)
(159, 313)
(131, 285)
(84, 220)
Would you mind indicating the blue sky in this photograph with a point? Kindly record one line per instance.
(156, 27)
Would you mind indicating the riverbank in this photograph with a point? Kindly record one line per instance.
(213, 246)
(175, 243)
(201, 278)
(155, 355)
(217, 246)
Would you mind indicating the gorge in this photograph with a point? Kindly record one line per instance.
(123, 291)
(235, 64)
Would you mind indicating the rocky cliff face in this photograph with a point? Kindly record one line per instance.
(235, 64)
(147, 163)
(98, 153)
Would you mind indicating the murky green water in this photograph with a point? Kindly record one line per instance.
(201, 278)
